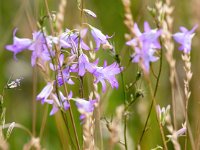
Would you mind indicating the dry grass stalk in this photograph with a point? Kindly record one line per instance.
(88, 132)
(115, 126)
(60, 15)
(197, 139)
(3, 143)
(167, 24)
(33, 143)
(128, 21)
(187, 68)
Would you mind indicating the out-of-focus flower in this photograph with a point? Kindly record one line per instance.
(147, 39)
(40, 45)
(176, 134)
(59, 104)
(145, 45)
(163, 113)
(144, 56)
(41, 48)
(19, 44)
(185, 38)
(107, 73)
(84, 106)
(99, 37)
(46, 91)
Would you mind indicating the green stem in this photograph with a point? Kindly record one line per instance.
(157, 117)
(44, 120)
(124, 95)
(154, 94)
(34, 113)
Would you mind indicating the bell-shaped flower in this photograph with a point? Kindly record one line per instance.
(69, 39)
(107, 73)
(145, 45)
(84, 106)
(185, 38)
(41, 48)
(19, 44)
(99, 37)
(144, 57)
(44, 94)
(83, 65)
(59, 103)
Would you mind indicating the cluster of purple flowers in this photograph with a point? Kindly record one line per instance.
(147, 43)
(70, 44)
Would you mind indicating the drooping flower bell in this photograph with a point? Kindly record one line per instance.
(185, 38)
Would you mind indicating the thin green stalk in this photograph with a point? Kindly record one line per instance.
(34, 110)
(125, 116)
(125, 128)
(124, 95)
(154, 94)
(44, 120)
(67, 126)
(157, 117)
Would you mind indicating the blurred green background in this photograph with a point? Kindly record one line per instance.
(24, 14)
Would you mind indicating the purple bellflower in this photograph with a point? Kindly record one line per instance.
(38, 46)
(84, 106)
(70, 39)
(45, 93)
(66, 76)
(99, 37)
(19, 44)
(107, 73)
(145, 45)
(84, 64)
(185, 38)
(144, 56)
(41, 48)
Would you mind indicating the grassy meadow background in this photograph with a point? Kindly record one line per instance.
(24, 14)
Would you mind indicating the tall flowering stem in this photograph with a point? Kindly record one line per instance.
(153, 103)
(88, 132)
(184, 38)
(65, 87)
(154, 93)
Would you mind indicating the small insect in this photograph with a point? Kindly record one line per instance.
(14, 83)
